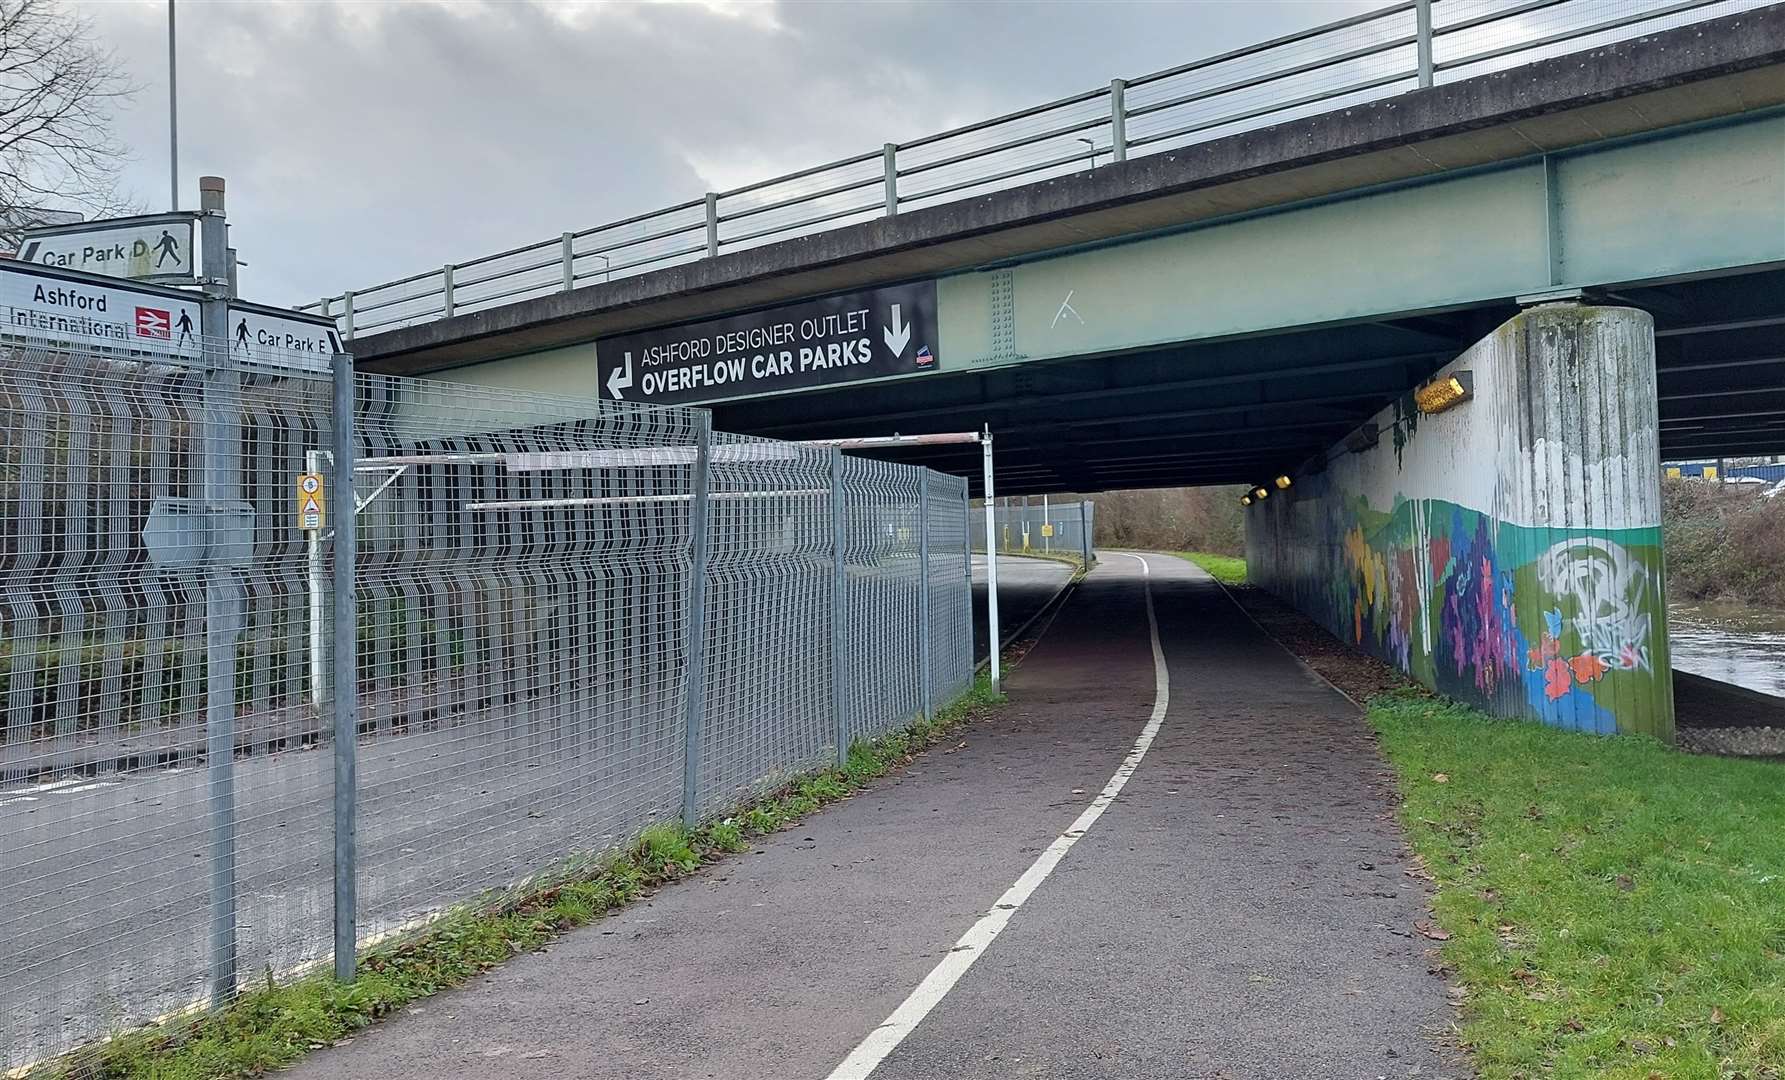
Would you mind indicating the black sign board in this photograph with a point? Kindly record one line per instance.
(834, 339)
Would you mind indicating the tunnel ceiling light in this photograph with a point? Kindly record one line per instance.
(1363, 438)
(1261, 494)
(1283, 483)
(1446, 393)
(1245, 500)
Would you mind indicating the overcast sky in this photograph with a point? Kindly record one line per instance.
(366, 141)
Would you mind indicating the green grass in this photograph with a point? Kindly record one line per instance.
(270, 1028)
(1616, 908)
(1224, 568)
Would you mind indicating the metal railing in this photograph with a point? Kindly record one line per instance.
(1373, 55)
(550, 625)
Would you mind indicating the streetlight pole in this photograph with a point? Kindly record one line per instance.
(1093, 147)
(173, 117)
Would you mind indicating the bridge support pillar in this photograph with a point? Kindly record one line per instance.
(1504, 550)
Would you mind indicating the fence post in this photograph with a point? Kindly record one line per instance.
(923, 593)
(1423, 13)
(569, 241)
(712, 224)
(346, 678)
(347, 315)
(890, 152)
(694, 667)
(223, 593)
(1118, 119)
(839, 609)
(446, 291)
(1084, 530)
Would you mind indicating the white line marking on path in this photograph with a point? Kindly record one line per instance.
(865, 1058)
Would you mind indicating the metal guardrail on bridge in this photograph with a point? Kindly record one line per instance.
(1376, 54)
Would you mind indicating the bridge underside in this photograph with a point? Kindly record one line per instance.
(1241, 409)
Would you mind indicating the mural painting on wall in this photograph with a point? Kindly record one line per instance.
(1520, 621)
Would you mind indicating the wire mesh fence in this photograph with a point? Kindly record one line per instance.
(572, 619)
(1029, 526)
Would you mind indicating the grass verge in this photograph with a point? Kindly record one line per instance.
(267, 1029)
(1223, 568)
(1613, 908)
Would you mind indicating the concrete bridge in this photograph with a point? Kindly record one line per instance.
(1592, 244)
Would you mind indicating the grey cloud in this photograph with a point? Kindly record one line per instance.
(363, 143)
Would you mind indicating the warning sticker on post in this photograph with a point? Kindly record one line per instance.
(312, 504)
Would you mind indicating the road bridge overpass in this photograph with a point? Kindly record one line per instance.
(1220, 311)
(1593, 242)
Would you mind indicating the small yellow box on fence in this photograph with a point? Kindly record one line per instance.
(1047, 530)
(312, 502)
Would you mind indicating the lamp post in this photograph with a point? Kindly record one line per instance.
(1093, 147)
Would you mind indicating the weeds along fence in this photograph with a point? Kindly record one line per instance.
(569, 620)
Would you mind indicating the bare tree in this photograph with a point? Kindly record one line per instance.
(58, 90)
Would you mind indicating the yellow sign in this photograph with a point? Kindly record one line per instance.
(1047, 529)
(1673, 472)
(312, 502)
(1710, 472)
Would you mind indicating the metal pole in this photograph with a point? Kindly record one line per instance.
(1047, 541)
(1423, 13)
(173, 116)
(569, 242)
(967, 560)
(313, 554)
(347, 314)
(712, 224)
(1118, 119)
(346, 681)
(446, 291)
(839, 609)
(694, 692)
(923, 592)
(223, 593)
(991, 565)
(890, 152)
(1084, 531)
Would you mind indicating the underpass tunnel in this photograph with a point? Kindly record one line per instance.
(1504, 548)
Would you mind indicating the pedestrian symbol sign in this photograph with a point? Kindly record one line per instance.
(311, 504)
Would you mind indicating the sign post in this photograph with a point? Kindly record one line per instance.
(223, 593)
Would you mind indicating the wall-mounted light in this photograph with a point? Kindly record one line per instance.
(1283, 483)
(1261, 494)
(1245, 500)
(1446, 393)
(1363, 438)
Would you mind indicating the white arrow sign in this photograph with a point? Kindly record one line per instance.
(620, 379)
(898, 335)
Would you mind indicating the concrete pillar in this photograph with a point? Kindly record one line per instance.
(1506, 551)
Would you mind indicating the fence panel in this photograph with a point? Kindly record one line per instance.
(524, 595)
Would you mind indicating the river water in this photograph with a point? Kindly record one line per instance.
(1731, 643)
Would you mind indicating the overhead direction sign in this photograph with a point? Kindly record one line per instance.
(869, 334)
(157, 248)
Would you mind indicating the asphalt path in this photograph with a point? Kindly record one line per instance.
(1024, 587)
(1242, 908)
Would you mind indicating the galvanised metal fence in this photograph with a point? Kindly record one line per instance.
(1033, 526)
(570, 620)
(1382, 52)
